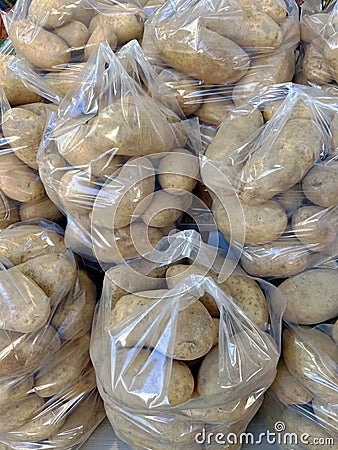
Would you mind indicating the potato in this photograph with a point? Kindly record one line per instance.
(315, 66)
(165, 209)
(78, 235)
(18, 181)
(207, 380)
(125, 19)
(64, 368)
(195, 330)
(247, 29)
(55, 274)
(262, 223)
(212, 58)
(311, 25)
(23, 242)
(15, 91)
(73, 317)
(335, 332)
(74, 33)
(214, 111)
(291, 200)
(44, 49)
(24, 131)
(236, 130)
(327, 415)
(13, 390)
(142, 380)
(24, 354)
(281, 258)
(287, 389)
(315, 227)
(79, 423)
(77, 192)
(24, 306)
(17, 414)
(312, 357)
(42, 208)
(8, 212)
(293, 152)
(102, 33)
(82, 13)
(276, 9)
(274, 68)
(311, 296)
(178, 171)
(320, 184)
(60, 82)
(301, 425)
(54, 13)
(330, 54)
(124, 243)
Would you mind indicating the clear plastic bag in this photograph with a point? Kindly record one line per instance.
(48, 396)
(239, 46)
(183, 323)
(53, 35)
(280, 163)
(103, 147)
(319, 45)
(22, 194)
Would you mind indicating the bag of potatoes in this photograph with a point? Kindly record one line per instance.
(53, 34)
(275, 199)
(22, 195)
(319, 46)
(101, 151)
(48, 395)
(233, 43)
(178, 353)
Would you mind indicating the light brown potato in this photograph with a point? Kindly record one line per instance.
(24, 354)
(330, 54)
(327, 415)
(78, 235)
(13, 390)
(77, 192)
(44, 208)
(17, 414)
(312, 357)
(247, 29)
(8, 212)
(16, 92)
(288, 390)
(195, 329)
(282, 258)
(44, 50)
(294, 152)
(311, 25)
(18, 181)
(178, 171)
(102, 33)
(125, 19)
(23, 242)
(320, 185)
(165, 208)
(144, 374)
(235, 131)
(124, 243)
(123, 199)
(291, 200)
(74, 33)
(55, 12)
(82, 13)
(276, 9)
(73, 317)
(274, 68)
(24, 130)
(262, 223)
(311, 296)
(24, 306)
(81, 421)
(301, 425)
(55, 274)
(64, 367)
(213, 58)
(316, 67)
(60, 82)
(214, 111)
(315, 227)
